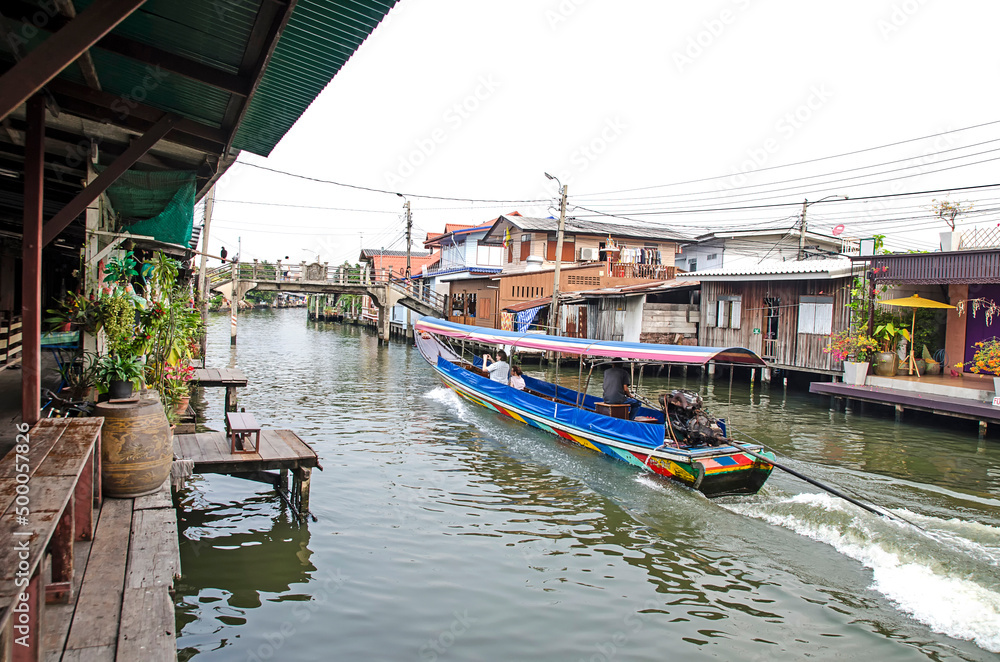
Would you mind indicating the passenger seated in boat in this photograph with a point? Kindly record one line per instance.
(499, 370)
(616, 383)
(516, 378)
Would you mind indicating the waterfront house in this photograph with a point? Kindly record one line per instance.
(722, 248)
(956, 277)
(665, 312)
(464, 273)
(785, 310)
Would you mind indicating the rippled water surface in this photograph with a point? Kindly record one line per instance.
(443, 532)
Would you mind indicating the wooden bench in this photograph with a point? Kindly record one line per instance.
(60, 462)
(241, 426)
(614, 411)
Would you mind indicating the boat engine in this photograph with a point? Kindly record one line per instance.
(692, 425)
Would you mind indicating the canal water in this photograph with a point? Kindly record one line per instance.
(444, 532)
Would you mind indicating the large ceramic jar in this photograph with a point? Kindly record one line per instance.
(136, 447)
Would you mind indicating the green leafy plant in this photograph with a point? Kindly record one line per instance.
(886, 334)
(75, 309)
(121, 270)
(80, 375)
(118, 316)
(117, 368)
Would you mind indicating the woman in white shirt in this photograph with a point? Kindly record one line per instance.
(499, 370)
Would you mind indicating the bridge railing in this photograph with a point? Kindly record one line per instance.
(418, 291)
(290, 272)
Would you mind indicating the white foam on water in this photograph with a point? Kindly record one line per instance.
(952, 604)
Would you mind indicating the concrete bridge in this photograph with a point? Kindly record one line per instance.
(384, 290)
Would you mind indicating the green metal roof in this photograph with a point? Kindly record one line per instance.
(319, 38)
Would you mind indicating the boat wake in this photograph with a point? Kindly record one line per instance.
(944, 576)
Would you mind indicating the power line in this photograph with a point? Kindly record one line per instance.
(797, 163)
(378, 190)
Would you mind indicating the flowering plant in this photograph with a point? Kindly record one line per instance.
(986, 359)
(851, 346)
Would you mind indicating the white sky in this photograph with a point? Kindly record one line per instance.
(476, 99)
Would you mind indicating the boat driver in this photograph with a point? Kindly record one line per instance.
(616, 391)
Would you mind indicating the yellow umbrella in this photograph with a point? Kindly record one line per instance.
(915, 301)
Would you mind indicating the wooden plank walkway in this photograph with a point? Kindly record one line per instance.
(100, 581)
(279, 450)
(219, 377)
(936, 404)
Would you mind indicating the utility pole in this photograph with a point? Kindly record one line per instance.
(802, 231)
(554, 306)
(409, 229)
(202, 270)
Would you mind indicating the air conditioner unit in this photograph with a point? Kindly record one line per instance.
(589, 254)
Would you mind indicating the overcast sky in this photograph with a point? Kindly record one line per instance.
(630, 103)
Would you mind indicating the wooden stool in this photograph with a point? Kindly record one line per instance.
(614, 411)
(241, 427)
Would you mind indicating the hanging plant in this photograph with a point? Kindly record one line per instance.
(118, 315)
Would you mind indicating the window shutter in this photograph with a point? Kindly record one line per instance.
(807, 317)
(723, 320)
(824, 318)
(734, 317)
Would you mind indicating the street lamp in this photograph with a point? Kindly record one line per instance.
(554, 306)
(802, 225)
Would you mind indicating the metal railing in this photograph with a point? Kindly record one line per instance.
(278, 272)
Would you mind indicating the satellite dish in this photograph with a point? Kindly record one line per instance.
(837, 230)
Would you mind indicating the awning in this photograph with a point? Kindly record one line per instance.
(685, 354)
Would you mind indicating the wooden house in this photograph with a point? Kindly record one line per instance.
(783, 310)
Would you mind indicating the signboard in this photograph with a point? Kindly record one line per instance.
(756, 332)
(996, 401)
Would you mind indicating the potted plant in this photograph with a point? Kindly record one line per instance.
(888, 360)
(117, 374)
(176, 388)
(986, 361)
(855, 350)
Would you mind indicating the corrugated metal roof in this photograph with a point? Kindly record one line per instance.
(320, 37)
(838, 267)
(583, 226)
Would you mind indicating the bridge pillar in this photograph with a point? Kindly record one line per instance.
(234, 306)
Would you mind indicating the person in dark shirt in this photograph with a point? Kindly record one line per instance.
(616, 391)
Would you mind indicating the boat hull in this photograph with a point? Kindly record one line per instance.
(712, 471)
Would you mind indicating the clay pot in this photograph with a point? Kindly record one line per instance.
(136, 449)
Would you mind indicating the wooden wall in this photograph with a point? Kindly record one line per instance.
(525, 286)
(484, 312)
(539, 246)
(670, 323)
(792, 348)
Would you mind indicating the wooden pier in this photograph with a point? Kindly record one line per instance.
(228, 378)
(101, 570)
(279, 452)
(901, 400)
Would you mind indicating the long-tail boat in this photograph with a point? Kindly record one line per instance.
(693, 448)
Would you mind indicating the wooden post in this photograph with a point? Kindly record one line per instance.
(83, 501)
(304, 476)
(230, 398)
(61, 547)
(234, 305)
(31, 262)
(899, 413)
(203, 268)
(982, 429)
